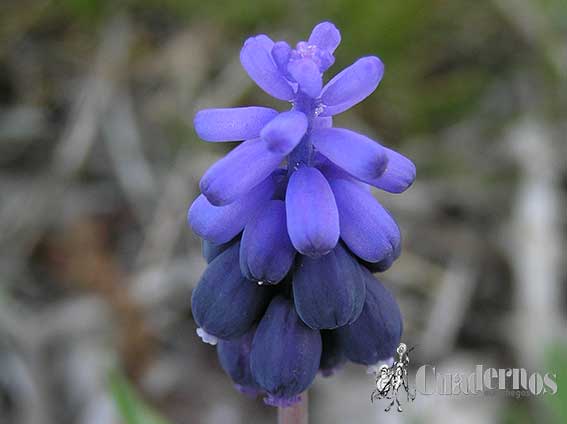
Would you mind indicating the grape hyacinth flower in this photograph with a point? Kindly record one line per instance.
(291, 231)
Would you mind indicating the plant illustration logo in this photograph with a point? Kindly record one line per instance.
(389, 380)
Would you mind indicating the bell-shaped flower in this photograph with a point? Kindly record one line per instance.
(328, 291)
(225, 304)
(234, 357)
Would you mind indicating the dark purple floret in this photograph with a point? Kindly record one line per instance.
(234, 357)
(285, 354)
(224, 303)
(329, 291)
(375, 335)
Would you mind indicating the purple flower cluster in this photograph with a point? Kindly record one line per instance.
(291, 209)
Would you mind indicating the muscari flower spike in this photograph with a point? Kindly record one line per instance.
(291, 231)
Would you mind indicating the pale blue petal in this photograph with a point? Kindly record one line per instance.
(326, 36)
(352, 85)
(355, 153)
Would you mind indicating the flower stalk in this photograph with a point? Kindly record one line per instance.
(297, 413)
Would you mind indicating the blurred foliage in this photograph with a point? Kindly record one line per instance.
(439, 56)
(128, 403)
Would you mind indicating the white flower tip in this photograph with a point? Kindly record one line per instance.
(206, 337)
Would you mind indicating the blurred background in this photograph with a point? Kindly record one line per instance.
(99, 161)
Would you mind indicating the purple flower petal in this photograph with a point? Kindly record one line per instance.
(232, 124)
(355, 153)
(257, 61)
(285, 131)
(230, 178)
(375, 335)
(285, 353)
(220, 224)
(266, 253)
(367, 228)
(328, 291)
(399, 174)
(308, 76)
(326, 36)
(312, 216)
(352, 85)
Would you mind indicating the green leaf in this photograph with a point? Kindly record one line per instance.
(129, 404)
